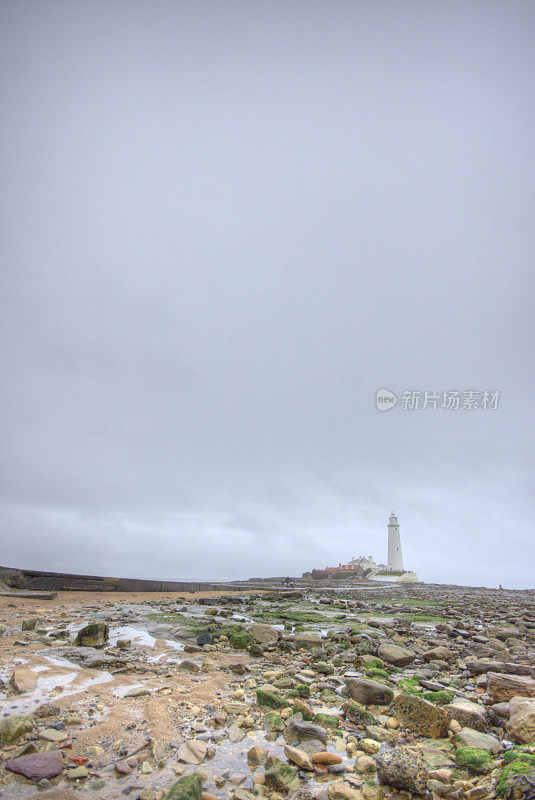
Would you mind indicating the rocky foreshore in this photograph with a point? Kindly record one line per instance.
(355, 694)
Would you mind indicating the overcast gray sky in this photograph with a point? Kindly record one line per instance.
(225, 226)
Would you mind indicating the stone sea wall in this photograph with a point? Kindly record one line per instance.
(28, 579)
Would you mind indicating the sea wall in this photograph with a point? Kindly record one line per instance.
(63, 581)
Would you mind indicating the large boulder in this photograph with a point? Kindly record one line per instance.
(264, 634)
(421, 716)
(521, 724)
(93, 635)
(368, 692)
(402, 768)
(394, 654)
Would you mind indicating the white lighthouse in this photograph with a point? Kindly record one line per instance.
(395, 556)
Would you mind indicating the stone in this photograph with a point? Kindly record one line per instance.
(37, 766)
(282, 778)
(192, 752)
(402, 768)
(468, 714)
(257, 754)
(421, 716)
(365, 764)
(77, 773)
(502, 687)
(357, 714)
(516, 782)
(264, 634)
(47, 710)
(13, 726)
(394, 654)
(269, 699)
(23, 680)
(474, 759)
(483, 741)
(521, 724)
(93, 635)
(187, 788)
(325, 758)
(190, 666)
(298, 757)
(339, 790)
(369, 692)
(438, 653)
(307, 640)
(52, 735)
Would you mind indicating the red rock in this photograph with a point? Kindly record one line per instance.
(37, 765)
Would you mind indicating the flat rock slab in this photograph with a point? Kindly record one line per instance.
(37, 766)
(502, 687)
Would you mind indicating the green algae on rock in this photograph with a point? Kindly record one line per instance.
(474, 759)
(187, 788)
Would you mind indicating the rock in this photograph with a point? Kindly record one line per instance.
(468, 714)
(257, 754)
(516, 782)
(93, 635)
(365, 764)
(369, 692)
(298, 757)
(77, 773)
(239, 669)
(264, 634)
(37, 766)
(138, 691)
(357, 714)
(13, 726)
(481, 741)
(402, 768)
(521, 724)
(326, 759)
(307, 730)
(503, 687)
(23, 680)
(52, 735)
(192, 752)
(190, 666)
(394, 654)
(474, 759)
(29, 624)
(282, 778)
(438, 654)
(270, 699)
(205, 638)
(187, 788)
(307, 640)
(47, 710)
(339, 790)
(421, 716)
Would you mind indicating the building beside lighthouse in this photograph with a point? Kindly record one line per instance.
(366, 567)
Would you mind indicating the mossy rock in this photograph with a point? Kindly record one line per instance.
(308, 716)
(241, 640)
(270, 699)
(410, 685)
(516, 780)
(93, 635)
(474, 759)
(282, 778)
(519, 755)
(377, 672)
(374, 663)
(441, 698)
(327, 719)
(303, 689)
(187, 788)
(13, 726)
(357, 714)
(255, 650)
(273, 722)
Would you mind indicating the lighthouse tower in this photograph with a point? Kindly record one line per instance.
(395, 556)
